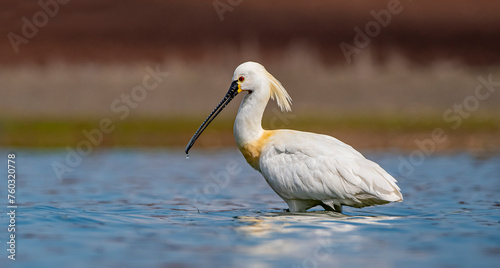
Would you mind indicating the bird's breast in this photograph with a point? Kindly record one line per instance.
(252, 150)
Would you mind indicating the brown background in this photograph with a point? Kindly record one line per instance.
(130, 30)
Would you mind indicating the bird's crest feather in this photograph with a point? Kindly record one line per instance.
(279, 93)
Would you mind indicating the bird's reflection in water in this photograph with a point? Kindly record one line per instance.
(286, 222)
(289, 233)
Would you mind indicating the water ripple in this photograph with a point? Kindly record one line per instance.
(154, 208)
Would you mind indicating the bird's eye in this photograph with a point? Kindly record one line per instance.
(241, 79)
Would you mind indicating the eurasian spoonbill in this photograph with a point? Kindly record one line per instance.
(305, 169)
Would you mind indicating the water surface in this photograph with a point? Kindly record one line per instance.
(154, 208)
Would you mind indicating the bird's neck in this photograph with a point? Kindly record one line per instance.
(248, 123)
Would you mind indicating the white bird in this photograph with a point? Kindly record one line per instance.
(305, 169)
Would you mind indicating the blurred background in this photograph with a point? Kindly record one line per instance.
(64, 67)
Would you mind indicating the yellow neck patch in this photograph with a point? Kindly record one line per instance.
(252, 151)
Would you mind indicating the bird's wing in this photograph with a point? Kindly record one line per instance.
(308, 166)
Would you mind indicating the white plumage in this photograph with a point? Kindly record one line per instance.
(305, 169)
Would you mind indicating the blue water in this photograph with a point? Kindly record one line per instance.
(155, 208)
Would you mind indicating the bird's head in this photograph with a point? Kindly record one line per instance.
(255, 79)
(252, 76)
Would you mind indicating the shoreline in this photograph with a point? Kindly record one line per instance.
(476, 134)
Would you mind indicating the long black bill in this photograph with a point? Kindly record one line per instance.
(231, 93)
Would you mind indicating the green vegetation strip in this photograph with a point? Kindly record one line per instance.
(177, 131)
